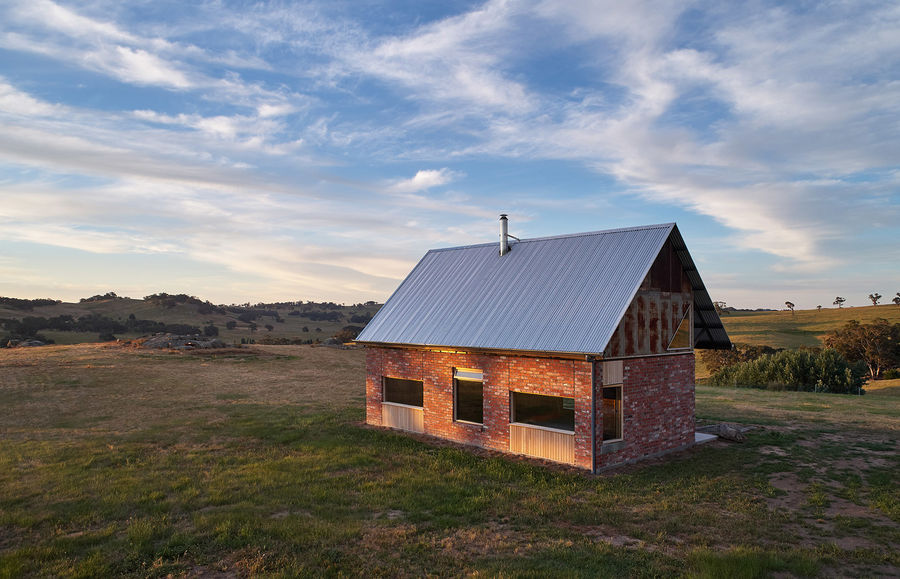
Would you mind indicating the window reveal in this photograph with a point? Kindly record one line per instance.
(612, 412)
(468, 395)
(548, 411)
(400, 391)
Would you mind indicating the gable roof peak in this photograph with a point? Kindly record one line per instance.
(564, 293)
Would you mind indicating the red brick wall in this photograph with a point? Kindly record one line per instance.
(658, 397)
(658, 406)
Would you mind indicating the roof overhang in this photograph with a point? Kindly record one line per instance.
(709, 332)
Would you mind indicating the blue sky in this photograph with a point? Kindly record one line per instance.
(315, 150)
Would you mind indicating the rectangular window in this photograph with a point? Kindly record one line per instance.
(468, 395)
(550, 411)
(612, 412)
(400, 391)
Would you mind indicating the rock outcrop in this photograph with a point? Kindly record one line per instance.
(180, 342)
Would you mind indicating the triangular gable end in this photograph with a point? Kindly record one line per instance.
(670, 290)
(709, 333)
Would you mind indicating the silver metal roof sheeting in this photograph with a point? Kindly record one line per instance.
(561, 294)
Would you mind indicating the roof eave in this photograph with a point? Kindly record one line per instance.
(496, 351)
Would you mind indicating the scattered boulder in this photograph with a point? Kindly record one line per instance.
(732, 432)
(24, 343)
(181, 342)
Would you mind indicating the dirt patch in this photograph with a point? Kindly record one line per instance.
(793, 492)
(474, 542)
(388, 538)
(608, 535)
(862, 462)
(773, 450)
(842, 507)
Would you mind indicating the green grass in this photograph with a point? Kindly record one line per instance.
(120, 463)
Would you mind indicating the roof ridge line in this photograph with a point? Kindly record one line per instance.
(563, 236)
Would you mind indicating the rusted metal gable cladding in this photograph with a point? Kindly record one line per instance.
(561, 294)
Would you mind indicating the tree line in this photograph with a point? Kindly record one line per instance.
(27, 305)
(30, 326)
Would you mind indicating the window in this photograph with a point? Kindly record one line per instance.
(468, 395)
(400, 391)
(550, 411)
(612, 412)
(682, 338)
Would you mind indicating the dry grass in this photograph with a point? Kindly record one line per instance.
(784, 329)
(94, 388)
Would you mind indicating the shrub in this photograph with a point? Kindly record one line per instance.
(801, 370)
(360, 319)
(101, 298)
(892, 374)
(347, 333)
(715, 360)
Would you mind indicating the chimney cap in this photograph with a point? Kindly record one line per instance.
(503, 216)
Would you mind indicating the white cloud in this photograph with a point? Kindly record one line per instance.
(140, 67)
(457, 59)
(424, 180)
(16, 102)
(63, 20)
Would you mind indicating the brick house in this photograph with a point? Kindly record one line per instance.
(575, 348)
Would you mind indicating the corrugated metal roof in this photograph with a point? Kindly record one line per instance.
(561, 294)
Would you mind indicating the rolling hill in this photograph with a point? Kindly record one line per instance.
(288, 320)
(779, 329)
(784, 329)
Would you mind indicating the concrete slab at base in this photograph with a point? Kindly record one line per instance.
(701, 437)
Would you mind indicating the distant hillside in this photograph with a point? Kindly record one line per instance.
(131, 318)
(784, 329)
(779, 329)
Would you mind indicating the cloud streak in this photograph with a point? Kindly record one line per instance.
(311, 136)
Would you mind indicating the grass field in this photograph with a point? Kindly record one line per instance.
(245, 462)
(800, 328)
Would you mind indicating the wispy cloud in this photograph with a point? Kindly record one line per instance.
(106, 48)
(16, 102)
(306, 132)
